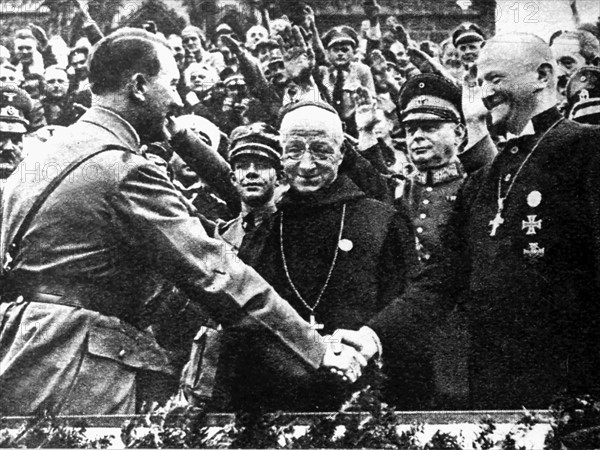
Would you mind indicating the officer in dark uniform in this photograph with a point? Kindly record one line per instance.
(583, 95)
(430, 112)
(15, 103)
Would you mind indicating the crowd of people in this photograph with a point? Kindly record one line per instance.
(272, 221)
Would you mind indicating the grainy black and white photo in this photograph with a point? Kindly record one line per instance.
(300, 224)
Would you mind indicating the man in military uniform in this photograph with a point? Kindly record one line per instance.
(521, 247)
(14, 104)
(255, 158)
(468, 40)
(73, 337)
(343, 77)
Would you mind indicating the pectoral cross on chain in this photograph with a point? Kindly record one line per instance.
(498, 220)
(314, 325)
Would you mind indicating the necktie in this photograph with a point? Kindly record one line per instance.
(338, 92)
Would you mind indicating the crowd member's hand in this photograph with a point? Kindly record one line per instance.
(344, 361)
(298, 56)
(371, 9)
(402, 35)
(232, 44)
(310, 16)
(366, 109)
(427, 64)
(362, 341)
(39, 34)
(379, 69)
(473, 107)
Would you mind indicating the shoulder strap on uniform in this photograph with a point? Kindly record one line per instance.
(13, 248)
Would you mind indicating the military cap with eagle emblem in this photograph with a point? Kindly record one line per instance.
(15, 108)
(583, 95)
(430, 96)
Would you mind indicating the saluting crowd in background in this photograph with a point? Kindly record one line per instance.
(300, 213)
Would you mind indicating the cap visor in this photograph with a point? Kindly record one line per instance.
(341, 40)
(420, 116)
(12, 127)
(469, 37)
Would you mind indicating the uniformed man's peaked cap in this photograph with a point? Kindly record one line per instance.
(583, 95)
(257, 139)
(340, 35)
(15, 108)
(467, 32)
(429, 96)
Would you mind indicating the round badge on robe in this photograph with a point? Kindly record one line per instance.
(345, 245)
(534, 198)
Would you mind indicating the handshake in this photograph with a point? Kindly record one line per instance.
(348, 352)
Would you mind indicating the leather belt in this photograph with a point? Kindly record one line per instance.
(73, 294)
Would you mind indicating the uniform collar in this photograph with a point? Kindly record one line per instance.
(450, 172)
(114, 124)
(544, 120)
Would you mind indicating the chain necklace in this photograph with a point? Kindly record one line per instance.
(314, 325)
(499, 220)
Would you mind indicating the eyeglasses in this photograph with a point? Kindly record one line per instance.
(318, 150)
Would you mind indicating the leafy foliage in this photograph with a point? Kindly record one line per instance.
(363, 422)
(48, 432)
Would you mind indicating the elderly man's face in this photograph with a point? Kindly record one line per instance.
(311, 155)
(24, 49)
(255, 179)
(57, 83)
(11, 153)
